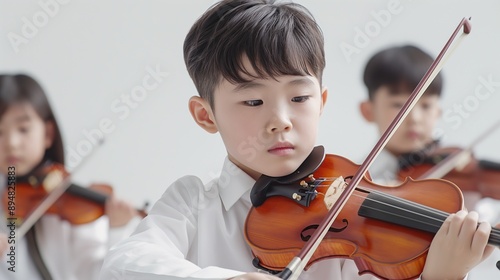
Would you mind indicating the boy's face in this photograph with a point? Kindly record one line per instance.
(268, 126)
(24, 137)
(416, 130)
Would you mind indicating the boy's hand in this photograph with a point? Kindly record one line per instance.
(119, 211)
(255, 276)
(4, 245)
(458, 246)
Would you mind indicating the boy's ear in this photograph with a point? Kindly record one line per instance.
(324, 97)
(202, 114)
(50, 132)
(366, 108)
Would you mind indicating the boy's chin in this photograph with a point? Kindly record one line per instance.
(285, 167)
(284, 170)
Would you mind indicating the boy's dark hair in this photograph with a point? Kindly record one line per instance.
(400, 68)
(19, 89)
(277, 38)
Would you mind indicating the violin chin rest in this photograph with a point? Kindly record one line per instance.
(261, 188)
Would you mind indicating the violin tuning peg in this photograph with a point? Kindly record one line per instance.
(33, 180)
(296, 196)
(311, 178)
(304, 184)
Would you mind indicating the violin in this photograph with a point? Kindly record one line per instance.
(77, 205)
(373, 228)
(469, 173)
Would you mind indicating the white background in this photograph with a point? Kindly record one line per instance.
(88, 54)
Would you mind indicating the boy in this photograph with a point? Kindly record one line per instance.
(257, 66)
(390, 76)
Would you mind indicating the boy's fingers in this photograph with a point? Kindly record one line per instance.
(445, 227)
(469, 226)
(480, 238)
(456, 223)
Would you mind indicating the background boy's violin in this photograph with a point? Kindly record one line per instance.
(77, 205)
(469, 173)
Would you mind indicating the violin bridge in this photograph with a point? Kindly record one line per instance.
(463, 160)
(52, 180)
(334, 191)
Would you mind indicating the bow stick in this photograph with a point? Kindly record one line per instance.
(298, 263)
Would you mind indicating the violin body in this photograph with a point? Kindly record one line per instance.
(470, 174)
(278, 229)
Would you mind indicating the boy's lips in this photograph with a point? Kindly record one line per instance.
(282, 148)
(413, 135)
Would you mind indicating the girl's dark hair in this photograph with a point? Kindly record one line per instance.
(277, 38)
(18, 89)
(400, 68)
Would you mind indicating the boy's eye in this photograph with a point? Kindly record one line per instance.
(24, 129)
(397, 105)
(426, 106)
(253, 102)
(300, 98)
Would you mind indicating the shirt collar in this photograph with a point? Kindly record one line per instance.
(234, 184)
(384, 168)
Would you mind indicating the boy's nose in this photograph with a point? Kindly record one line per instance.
(279, 122)
(415, 114)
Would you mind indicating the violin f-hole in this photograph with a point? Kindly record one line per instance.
(305, 238)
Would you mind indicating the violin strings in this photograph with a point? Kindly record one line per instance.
(408, 211)
(438, 212)
(495, 233)
(424, 207)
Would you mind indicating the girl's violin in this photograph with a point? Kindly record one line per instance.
(77, 205)
(467, 172)
(386, 230)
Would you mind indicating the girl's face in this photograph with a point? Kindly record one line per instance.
(24, 137)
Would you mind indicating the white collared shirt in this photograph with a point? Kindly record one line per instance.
(196, 231)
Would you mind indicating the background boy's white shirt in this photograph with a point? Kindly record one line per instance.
(196, 231)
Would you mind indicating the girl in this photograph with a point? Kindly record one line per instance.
(52, 248)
